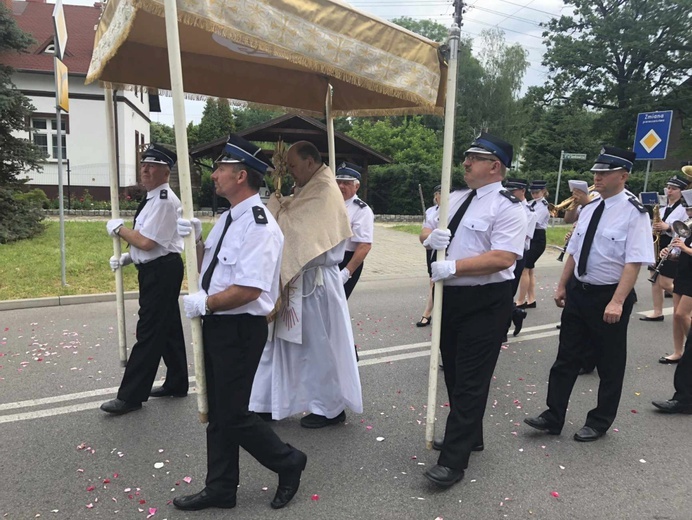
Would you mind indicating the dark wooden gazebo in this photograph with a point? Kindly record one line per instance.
(292, 128)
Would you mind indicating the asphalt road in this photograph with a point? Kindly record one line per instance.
(62, 458)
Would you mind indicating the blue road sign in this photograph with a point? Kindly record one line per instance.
(651, 137)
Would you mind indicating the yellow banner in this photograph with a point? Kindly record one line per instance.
(61, 82)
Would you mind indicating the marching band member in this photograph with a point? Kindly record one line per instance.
(527, 285)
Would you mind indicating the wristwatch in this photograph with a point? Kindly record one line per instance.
(117, 230)
(207, 310)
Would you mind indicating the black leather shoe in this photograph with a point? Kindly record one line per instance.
(320, 421)
(437, 446)
(203, 500)
(665, 361)
(424, 321)
(542, 424)
(265, 416)
(522, 305)
(588, 434)
(118, 407)
(289, 482)
(531, 305)
(672, 406)
(443, 476)
(649, 318)
(518, 316)
(583, 371)
(165, 392)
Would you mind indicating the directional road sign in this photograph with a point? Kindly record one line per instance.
(651, 137)
(581, 156)
(60, 30)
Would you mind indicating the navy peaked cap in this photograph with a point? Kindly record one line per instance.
(159, 154)
(516, 184)
(348, 172)
(491, 145)
(239, 150)
(612, 158)
(677, 182)
(538, 185)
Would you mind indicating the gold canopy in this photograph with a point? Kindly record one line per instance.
(274, 52)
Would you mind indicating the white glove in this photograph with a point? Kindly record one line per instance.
(114, 224)
(438, 239)
(185, 227)
(116, 263)
(443, 270)
(345, 275)
(195, 304)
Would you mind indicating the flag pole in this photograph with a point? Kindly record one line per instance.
(447, 152)
(115, 213)
(331, 148)
(176, 71)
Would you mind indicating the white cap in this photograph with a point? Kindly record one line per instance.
(578, 185)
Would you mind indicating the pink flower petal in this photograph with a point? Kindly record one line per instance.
(555, 494)
(187, 479)
(315, 498)
(91, 488)
(90, 506)
(634, 411)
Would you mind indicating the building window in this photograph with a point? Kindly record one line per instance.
(44, 133)
(50, 49)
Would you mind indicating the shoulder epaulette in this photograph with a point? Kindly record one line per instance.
(259, 214)
(360, 203)
(163, 194)
(545, 202)
(637, 204)
(597, 199)
(508, 194)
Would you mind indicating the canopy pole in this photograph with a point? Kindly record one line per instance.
(331, 148)
(447, 152)
(176, 69)
(115, 213)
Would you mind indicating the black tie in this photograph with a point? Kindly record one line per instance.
(142, 203)
(206, 278)
(533, 205)
(588, 239)
(456, 219)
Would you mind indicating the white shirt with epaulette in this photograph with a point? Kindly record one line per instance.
(623, 236)
(250, 255)
(362, 221)
(530, 223)
(540, 206)
(492, 222)
(158, 221)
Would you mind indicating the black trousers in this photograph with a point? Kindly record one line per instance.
(683, 375)
(233, 345)
(159, 332)
(351, 284)
(474, 321)
(585, 336)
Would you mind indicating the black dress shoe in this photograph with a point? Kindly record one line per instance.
(583, 371)
(165, 392)
(518, 316)
(203, 500)
(522, 305)
(424, 321)
(320, 421)
(531, 305)
(289, 482)
(119, 407)
(649, 318)
(542, 424)
(665, 361)
(265, 416)
(588, 434)
(673, 406)
(437, 446)
(443, 476)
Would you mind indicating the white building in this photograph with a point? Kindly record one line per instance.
(85, 145)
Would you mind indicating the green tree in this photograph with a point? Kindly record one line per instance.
(214, 123)
(225, 115)
(17, 154)
(620, 57)
(562, 127)
(192, 134)
(407, 143)
(431, 30)
(161, 133)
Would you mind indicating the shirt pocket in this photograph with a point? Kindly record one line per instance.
(614, 242)
(476, 237)
(226, 265)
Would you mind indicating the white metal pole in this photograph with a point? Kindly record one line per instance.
(447, 151)
(115, 213)
(61, 204)
(331, 147)
(176, 70)
(646, 177)
(559, 175)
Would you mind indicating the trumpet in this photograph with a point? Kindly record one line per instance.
(568, 204)
(683, 227)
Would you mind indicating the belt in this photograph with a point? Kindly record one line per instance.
(465, 288)
(170, 257)
(587, 287)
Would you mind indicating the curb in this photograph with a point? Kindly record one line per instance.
(59, 301)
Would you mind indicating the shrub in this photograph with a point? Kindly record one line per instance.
(36, 197)
(19, 219)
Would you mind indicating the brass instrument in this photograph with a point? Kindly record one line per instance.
(683, 228)
(568, 204)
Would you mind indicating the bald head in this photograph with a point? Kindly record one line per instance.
(303, 160)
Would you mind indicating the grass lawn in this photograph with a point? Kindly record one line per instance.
(31, 268)
(555, 234)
